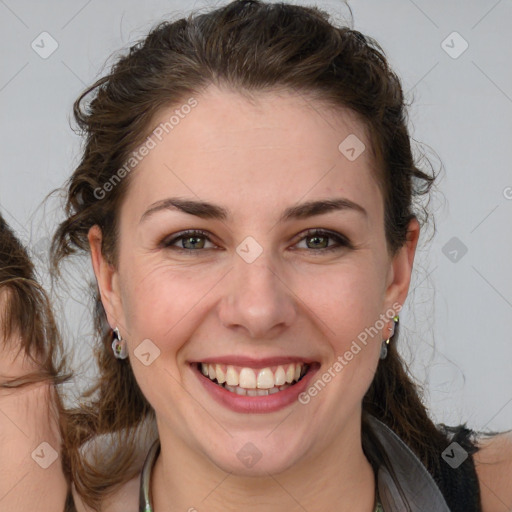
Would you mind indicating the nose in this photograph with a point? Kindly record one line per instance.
(258, 299)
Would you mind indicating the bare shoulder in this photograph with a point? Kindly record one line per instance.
(493, 464)
(125, 499)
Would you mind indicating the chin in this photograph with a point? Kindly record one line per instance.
(257, 456)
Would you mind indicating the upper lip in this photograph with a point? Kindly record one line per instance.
(251, 362)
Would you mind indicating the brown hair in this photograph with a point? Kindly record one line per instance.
(27, 318)
(28, 327)
(248, 46)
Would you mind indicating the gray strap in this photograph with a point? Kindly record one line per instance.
(419, 488)
(145, 504)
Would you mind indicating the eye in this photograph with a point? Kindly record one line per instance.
(193, 240)
(320, 239)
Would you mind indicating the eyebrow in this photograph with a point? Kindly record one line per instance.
(207, 210)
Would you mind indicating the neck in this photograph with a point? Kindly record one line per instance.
(339, 479)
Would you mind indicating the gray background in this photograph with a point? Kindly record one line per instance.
(456, 325)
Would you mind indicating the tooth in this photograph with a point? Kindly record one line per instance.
(221, 377)
(247, 378)
(252, 392)
(240, 391)
(265, 379)
(231, 376)
(280, 377)
(261, 392)
(290, 373)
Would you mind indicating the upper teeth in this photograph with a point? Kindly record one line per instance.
(248, 378)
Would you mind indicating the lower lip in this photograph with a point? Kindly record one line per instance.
(255, 404)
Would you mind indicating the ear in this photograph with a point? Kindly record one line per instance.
(107, 278)
(399, 276)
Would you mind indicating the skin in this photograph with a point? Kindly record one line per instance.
(26, 421)
(493, 464)
(256, 159)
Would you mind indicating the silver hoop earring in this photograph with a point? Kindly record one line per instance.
(119, 346)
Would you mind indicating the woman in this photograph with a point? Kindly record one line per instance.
(33, 472)
(246, 193)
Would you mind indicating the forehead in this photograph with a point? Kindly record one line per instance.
(260, 152)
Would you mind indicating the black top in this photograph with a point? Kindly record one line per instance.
(460, 485)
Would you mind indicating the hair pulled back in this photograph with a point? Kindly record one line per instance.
(250, 47)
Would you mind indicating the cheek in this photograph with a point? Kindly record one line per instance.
(344, 301)
(158, 305)
(160, 302)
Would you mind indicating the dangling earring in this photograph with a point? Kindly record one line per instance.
(385, 343)
(119, 346)
(384, 349)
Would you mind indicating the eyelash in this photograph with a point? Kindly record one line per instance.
(340, 240)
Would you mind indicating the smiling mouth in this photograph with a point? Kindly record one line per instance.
(254, 382)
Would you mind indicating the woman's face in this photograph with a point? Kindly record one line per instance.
(255, 293)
